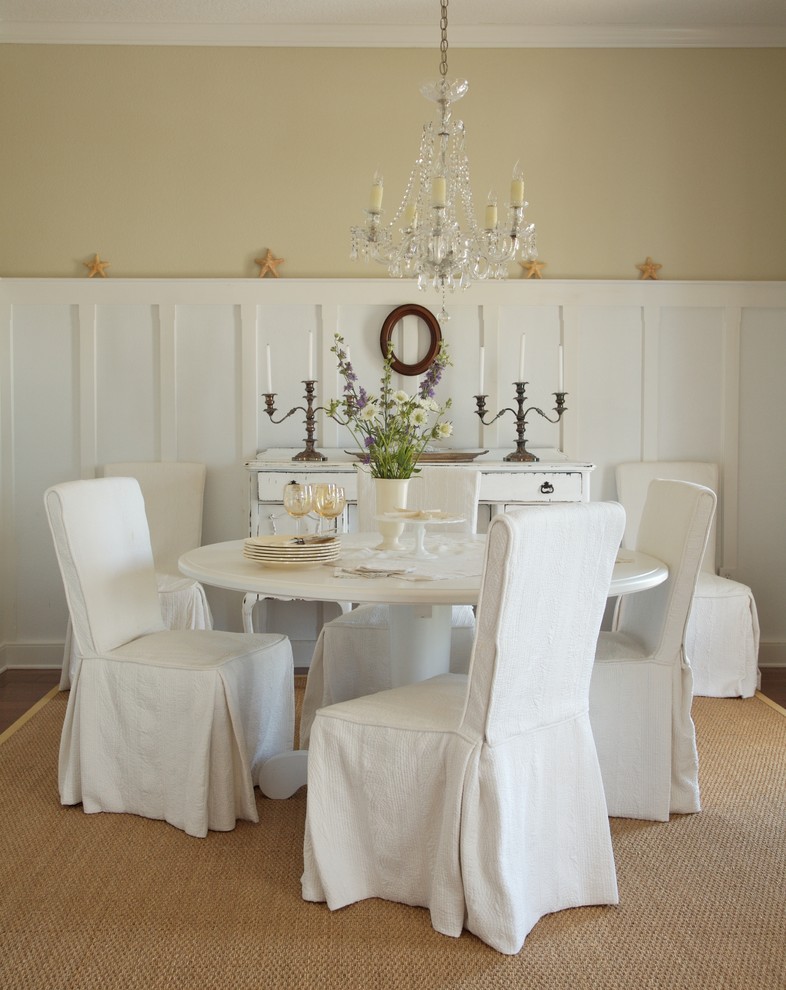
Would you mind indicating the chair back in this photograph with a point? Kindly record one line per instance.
(103, 550)
(545, 582)
(174, 496)
(454, 490)
(675, 526)
(633, 481)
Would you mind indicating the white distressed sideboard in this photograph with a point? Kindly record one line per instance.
(503, 483)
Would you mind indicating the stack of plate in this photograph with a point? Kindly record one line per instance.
(292, 551)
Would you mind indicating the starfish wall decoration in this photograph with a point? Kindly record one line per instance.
(649, 269)
(96, 267)
(533, 268)
(268, 264)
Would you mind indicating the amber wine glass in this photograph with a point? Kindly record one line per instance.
(329, 502)
(298, 501)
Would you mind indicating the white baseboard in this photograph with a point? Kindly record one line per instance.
(48, 656)
(31, 656)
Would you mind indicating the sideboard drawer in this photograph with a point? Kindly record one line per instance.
(270, 484)
(534, 486)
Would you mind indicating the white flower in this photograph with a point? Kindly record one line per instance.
(418, 417)
(400, 397)
(429, 404)
(444, 430)
(368, 413)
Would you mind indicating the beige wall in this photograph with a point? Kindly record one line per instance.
(191, 161)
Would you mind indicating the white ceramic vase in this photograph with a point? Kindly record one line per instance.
(390, 494)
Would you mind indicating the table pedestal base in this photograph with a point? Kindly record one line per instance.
(419, 642)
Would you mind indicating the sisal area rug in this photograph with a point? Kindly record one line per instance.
(114, 901)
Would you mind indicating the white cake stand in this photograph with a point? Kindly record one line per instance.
(419, 525)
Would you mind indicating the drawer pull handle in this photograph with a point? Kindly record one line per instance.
(547, 488)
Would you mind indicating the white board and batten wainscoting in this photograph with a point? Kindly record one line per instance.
(100, 370)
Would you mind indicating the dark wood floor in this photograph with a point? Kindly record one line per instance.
(20, 689)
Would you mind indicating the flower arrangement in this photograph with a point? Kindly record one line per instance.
(392, 428)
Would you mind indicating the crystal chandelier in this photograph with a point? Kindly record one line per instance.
(433, 234)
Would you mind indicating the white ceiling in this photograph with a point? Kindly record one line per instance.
(397, 23)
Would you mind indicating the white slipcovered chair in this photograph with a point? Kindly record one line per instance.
(722, 641)
(167, 724)
(173, 492)
(479, 796)
(352, 653)
(641, 690)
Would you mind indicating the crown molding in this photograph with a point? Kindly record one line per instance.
(391, 36)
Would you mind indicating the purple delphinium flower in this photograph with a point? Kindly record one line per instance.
(429, 382)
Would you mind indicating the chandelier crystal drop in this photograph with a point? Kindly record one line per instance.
(433, 235)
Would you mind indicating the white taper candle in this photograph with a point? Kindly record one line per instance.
(521, 357)
(269, 372)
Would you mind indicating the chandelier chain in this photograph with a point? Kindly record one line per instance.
(443, 45)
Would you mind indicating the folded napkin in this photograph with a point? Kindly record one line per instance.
(372, 571)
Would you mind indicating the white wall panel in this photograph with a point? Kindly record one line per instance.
(461, 334)
(691, 384)
(207, 386)
(606, 404)
(208, 403)
(127, 391)
(762, 493)
(45, 449)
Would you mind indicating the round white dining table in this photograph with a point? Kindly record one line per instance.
(420, 596)
(450, 577)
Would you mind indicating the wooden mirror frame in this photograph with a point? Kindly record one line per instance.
(432, 323)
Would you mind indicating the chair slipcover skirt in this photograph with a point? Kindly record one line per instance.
(176, 726)
(722, 638)
(470, 831)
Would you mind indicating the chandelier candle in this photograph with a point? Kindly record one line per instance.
(376, 194)
(491, 212)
